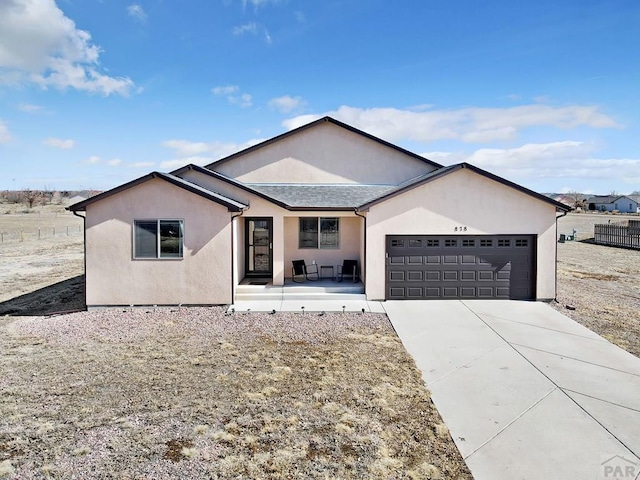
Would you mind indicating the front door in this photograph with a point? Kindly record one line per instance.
(259, 243)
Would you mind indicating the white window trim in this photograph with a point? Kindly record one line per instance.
(157, 220)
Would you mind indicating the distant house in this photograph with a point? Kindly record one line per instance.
(571, 200)
(609, 203)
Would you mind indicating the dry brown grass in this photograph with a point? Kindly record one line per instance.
(197, 394)
(32, 264)
(602, 283)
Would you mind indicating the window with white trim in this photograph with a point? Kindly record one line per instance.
(158, 238)
(319, 232)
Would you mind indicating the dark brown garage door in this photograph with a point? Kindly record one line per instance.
(460, 266)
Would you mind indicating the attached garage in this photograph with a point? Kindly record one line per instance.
(420, 267)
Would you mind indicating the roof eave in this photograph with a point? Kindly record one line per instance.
(82, 206)
(453, 168)
(230, 181)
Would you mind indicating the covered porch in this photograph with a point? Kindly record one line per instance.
(266, 247)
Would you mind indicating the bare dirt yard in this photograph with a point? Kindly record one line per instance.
(195, 393)
(602, 283)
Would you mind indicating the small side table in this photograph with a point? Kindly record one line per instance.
(330, 269)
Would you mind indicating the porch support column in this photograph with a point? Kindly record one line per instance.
(278, 251)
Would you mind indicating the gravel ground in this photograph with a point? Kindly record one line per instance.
(601, 283)
(196, 393)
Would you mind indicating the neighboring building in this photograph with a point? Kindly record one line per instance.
(76, 199)
(573, 200)
(609, 203)
(323, 192)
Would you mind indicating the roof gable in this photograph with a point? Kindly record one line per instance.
(324, 152)
(232, 205)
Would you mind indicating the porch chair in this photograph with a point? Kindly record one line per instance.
(301, 269)
(349, 268)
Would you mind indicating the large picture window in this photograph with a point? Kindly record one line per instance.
(319, 232)
(158, 238)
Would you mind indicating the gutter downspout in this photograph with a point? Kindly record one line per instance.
(233, 255)
(364, 280)
(84, 246)
(555, 299)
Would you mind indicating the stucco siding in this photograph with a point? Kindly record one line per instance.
(325, 153)
(202, 276)
(461, 199)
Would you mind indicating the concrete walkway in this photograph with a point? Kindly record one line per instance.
(526, 392)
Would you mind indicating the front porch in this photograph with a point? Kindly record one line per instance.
(259, 294)
(266, 247)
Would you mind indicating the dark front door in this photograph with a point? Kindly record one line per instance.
(259, 242)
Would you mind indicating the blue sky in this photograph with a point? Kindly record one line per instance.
(94, 93)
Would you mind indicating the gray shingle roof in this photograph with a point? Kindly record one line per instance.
(322, 196)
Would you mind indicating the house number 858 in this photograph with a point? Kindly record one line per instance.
(460, 229)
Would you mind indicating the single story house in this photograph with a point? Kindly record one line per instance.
(609, 203)
(324, 192)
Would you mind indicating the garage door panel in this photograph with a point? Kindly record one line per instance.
(397, 260)
(414, 276)
(397, 292)
(461, 266)
(432, 292)
(449, 275)
(414, 292)
(432, 276)
(486, 292)
(468, 292)
(503, 275)
(450, 292)
(397, 276)
(468, 275)
(468, 259)
(502, 292)
(486, 275)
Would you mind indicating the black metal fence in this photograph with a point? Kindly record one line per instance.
(625, 234)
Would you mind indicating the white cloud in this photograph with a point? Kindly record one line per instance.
(5, 136)
(114, 162)
(187, 148)
(59, 143)
(92, 160)
(471, 125)
(251, 28)
(267, 37)
(258, 3)
(141, 165)
(40, 45)
(189, 152)
(567, 159)
(181, 162)
(30, 108)
(136, 11)
(286, 103)
(225, 90)
(244, 100)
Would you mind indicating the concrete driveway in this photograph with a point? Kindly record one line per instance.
(527, 393)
